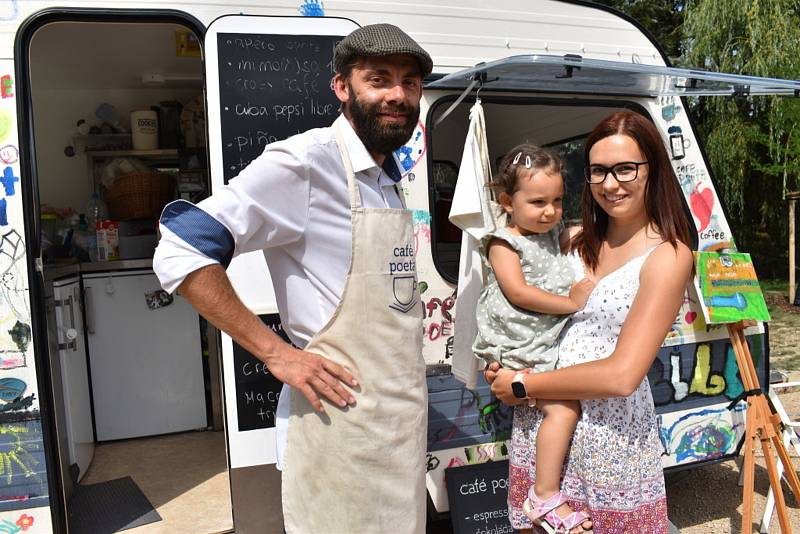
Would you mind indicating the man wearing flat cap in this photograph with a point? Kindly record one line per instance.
(324, 207)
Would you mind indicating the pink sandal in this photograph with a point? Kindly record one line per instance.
(542, 513)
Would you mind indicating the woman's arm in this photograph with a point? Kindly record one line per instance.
(507, 269)
(663, 281)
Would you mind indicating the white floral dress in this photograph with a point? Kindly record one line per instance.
(613, 469)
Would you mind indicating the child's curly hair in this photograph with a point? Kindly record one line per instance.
(524, 156)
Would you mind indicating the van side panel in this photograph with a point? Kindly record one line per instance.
(464, 427)
(24, 495)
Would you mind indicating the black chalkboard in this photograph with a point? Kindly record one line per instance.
(272, 87)
(478, 496)
(257, 390)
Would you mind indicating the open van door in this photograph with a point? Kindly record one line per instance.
(267, 78)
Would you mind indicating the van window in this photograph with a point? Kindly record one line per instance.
(445, 236)
(571, 154)
(559, 124)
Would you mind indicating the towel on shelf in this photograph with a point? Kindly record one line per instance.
(477, 215)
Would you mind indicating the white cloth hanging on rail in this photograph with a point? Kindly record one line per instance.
(477, 215)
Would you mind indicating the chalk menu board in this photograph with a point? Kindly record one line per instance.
(478, 497)
(257, 390)
(271, 87)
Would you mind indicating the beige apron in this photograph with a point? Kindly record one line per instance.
(362, 469)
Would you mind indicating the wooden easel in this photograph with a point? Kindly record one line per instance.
(762, 424)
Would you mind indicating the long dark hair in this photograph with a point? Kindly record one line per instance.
(662, 196)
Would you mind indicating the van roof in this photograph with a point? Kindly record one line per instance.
(456, 34)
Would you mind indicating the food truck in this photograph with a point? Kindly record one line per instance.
(110, 109)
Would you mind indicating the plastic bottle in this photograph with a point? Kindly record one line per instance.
(96, 211)
(84, 240)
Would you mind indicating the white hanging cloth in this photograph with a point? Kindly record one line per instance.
(477, 215)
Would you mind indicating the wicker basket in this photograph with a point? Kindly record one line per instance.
(139, 196)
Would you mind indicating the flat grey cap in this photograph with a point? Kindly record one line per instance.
(379, 40)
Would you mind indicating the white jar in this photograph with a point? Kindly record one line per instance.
(144, 129)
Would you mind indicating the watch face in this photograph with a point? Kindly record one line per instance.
(518, 388)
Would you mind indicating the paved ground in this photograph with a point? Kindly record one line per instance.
(708, 500)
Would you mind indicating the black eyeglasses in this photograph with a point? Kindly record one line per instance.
(626, 171)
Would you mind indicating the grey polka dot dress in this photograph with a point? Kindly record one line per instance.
(512, 336)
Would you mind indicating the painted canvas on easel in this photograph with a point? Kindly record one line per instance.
(728, 288)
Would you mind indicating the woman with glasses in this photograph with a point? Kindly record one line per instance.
(633, 244)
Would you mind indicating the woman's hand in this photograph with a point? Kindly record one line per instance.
(501, 385)
(500, 381)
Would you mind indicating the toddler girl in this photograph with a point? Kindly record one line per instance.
(527, 300)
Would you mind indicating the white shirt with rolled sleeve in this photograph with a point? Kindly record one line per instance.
(292, 203)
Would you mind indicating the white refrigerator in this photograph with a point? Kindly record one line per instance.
(74, 374)
(146, 363)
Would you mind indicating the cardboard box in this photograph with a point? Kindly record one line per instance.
(107, 240)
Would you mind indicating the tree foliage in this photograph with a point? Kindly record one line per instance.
(662, 18)
(753, 143)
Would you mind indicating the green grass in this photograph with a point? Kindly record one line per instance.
(784, 330)
(778, 285)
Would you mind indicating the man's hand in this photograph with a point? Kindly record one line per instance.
(314, 376)
(210, 292)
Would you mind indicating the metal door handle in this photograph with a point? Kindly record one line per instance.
(69, 333)
(88, 304)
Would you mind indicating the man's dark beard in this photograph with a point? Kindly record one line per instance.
(377, 137)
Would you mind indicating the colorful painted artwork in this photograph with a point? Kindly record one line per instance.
(9, 10)
(23, 470)
(312, 8)
(728, 288)
(408, 155)
(34, 521)
(713, 232)
(24, 499)
(699, 435)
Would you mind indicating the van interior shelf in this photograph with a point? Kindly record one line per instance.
(157, 153)
(107, 141)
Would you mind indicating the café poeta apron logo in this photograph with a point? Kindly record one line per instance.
(404, 281)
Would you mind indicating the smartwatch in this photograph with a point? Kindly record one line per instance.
(518, 386)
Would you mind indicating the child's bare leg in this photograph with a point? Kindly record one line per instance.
(552, 444)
